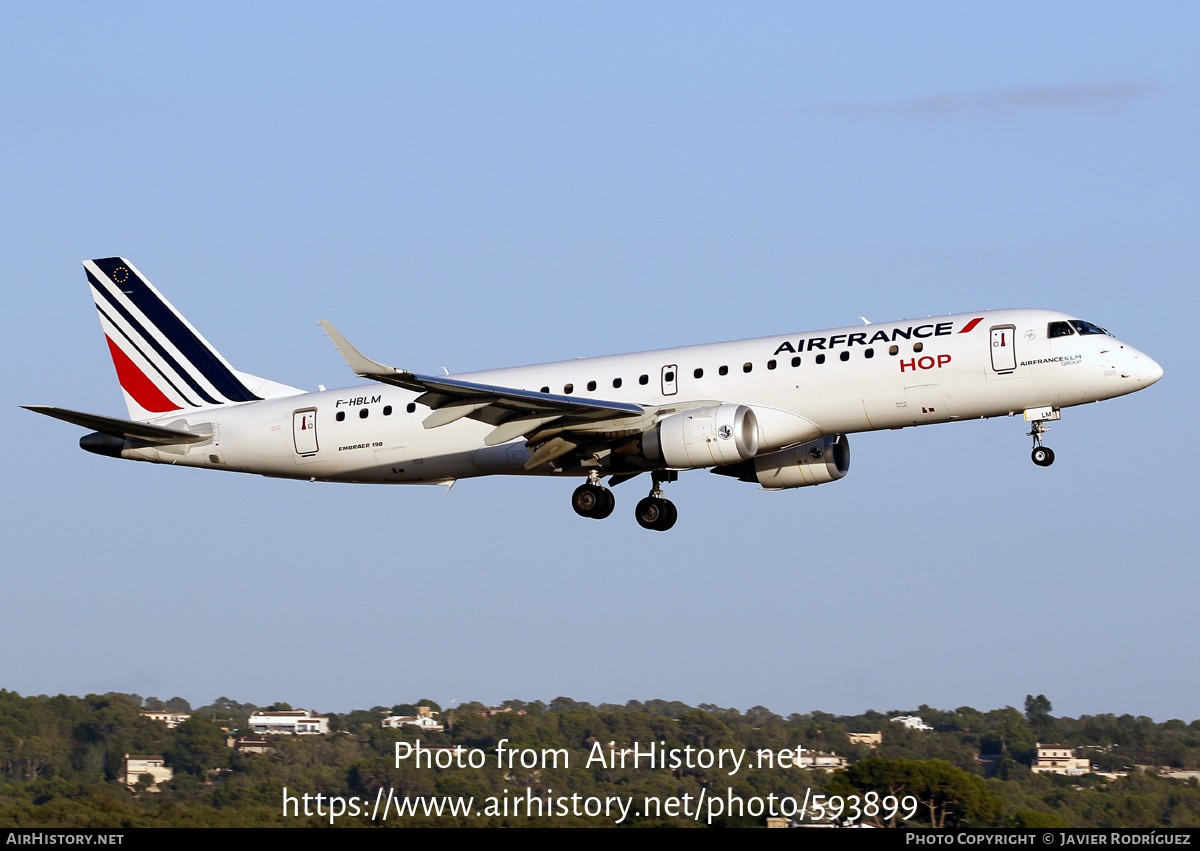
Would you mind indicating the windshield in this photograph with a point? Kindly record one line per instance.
(1088, 328)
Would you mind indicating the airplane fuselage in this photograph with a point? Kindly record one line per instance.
(801, 387)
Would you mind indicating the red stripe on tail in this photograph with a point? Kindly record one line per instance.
(137, 385)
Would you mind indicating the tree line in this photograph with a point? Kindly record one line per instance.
(62, 762)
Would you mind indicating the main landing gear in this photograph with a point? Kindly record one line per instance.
(1043, 456)
(593, 499)
(655, 512)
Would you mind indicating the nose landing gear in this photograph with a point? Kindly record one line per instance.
(1043, 456)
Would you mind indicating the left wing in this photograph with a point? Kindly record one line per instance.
(514, 413)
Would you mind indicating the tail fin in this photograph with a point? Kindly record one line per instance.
(162, 362)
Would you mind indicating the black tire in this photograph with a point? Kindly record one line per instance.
(649, 512)
(1043, 456)
(669, 516)
(607, 503)
(587, 500)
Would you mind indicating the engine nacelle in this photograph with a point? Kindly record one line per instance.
(724, 434)
(815, 463)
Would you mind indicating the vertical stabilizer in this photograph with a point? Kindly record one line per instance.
(163, 363)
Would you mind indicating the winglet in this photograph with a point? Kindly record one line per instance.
(362, 365)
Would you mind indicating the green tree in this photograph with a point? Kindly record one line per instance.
(948, 796)
(199, 746)
(1034, 818)
(178, 704)
(1037, 712)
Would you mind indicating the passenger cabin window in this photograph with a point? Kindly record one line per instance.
(545, 389)
(616, 382)
(362, 415)
(591, 385)
(699, 373)
(568, 389)
(668, 376)
(724, 370)
(820, 358)
(796, 361)
(869, 353)
(770, 364)
(341, 415)
(1059, 329)
(387, 410)
(844, 356)
(643, 379)
(893, 350)
(411, 407)
(918, 347)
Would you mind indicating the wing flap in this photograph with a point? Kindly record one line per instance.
(452, 412)
(519, 427)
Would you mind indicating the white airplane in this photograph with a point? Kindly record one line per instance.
(772, 410)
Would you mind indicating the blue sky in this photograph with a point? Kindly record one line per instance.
(482, 185)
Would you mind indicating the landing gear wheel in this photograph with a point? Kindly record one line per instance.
(656, 513)
(649, 511)
(669, 517)
(588, 501)
(1043, 456)
(607, 503)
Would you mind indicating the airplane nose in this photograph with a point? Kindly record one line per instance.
(1148, 369)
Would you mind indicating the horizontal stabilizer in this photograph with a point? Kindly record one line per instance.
(120, 428)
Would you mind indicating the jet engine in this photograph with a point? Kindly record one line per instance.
(724, 434)
(815, 463)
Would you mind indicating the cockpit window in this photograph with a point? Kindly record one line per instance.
(1059, 329)
(1088, 328)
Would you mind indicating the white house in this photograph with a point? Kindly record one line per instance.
(821, 761)
(297, 721)
(171, 719)
(136, 766)
(912, 722)
(1059, 759)
(423, 722)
